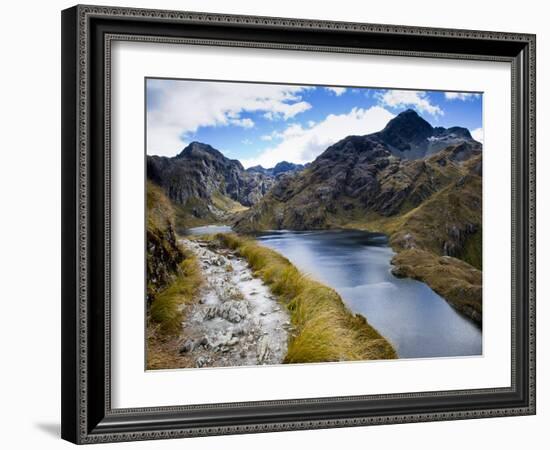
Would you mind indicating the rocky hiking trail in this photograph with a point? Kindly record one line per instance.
(236, 321)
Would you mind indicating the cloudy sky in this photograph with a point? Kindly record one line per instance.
(267, 123)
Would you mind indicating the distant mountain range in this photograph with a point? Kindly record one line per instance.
(384, 172)
(206, 186)
(381, 174)
(279, 169)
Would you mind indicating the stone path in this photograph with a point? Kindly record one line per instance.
(236, 321)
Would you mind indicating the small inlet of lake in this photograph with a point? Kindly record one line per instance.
(417, 321)
(208, 229)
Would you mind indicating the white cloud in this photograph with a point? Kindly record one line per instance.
(178, 107)
(245, 123)
(460, 96)
(246, 141)
(477, 134)
(336, 90)
(164, 140)
(286, 111)
(402, 99)
(300, 145)
(272, 136)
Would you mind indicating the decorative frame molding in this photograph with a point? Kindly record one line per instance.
(88, 31)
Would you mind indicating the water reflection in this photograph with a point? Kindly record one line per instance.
(357, 264)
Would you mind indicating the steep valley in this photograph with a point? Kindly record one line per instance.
(420, 185)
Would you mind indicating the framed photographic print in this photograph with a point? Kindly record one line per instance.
(281, 224)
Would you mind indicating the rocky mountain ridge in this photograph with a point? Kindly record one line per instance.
(409, 136)
(355, 178)
(204, 185)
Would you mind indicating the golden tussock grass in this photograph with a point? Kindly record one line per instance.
(160, 212)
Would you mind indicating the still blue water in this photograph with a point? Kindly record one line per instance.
(417, 321)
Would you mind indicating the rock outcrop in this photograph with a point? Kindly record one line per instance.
(200, 171)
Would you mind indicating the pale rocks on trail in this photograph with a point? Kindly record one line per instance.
(236, 320)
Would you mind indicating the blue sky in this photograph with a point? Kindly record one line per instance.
(267, 123)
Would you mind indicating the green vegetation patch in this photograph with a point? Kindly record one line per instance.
(197, 212)
(166, 315)
(163, 252)
(160, 212)
(166, 309)
(325, 330)
(455, 280)
(472, 252)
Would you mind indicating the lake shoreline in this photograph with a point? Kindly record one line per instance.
(412, 263)
(464, 294)
(383, 239)
(325, 329)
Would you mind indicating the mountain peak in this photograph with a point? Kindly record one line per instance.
(195, 148)
(285, 166)
(406, 130)
(409, 125)
(408, 111)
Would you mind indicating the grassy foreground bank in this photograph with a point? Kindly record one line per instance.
(325, 330)
(166, 315)
(167, 306)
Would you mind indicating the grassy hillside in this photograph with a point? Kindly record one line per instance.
(166, 315)
(333, 194)
(173, 278)
(325, 330)
(439, 242)
(455, 280)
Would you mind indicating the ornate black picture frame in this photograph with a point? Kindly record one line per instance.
(87, 34)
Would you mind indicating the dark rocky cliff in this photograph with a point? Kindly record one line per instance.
(409, 136)
(163, 252)
(205, 184)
